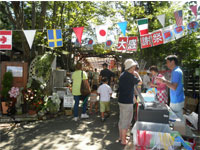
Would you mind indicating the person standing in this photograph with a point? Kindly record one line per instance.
(95, 80)
(77, 78)
(177, 96)
(105, 93)
(106, 73)
(128, 79)
(161, 88)
(146, 80)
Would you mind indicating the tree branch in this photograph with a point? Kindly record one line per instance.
(8, 13)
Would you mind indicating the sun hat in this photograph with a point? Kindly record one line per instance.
(129, 63)
(148, 71)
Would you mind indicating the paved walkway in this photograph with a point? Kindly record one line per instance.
(61, 133)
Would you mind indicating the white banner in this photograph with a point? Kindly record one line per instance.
(161, 18)
(30, 34)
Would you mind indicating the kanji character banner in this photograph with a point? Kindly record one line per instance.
(132, 43)
(55, 38)
(122, 44)
(5, 40)
(157, 38)
(145, 41)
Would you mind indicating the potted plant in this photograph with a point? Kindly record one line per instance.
(33, 97)
(52, 103)
(6, 86)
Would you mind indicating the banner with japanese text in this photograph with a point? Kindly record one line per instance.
(157, 38)
(132, 43)
(145, 41)
(122, 43)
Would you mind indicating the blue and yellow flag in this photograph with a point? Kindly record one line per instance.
(55, 38)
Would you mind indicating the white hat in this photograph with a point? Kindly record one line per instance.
(129, 63)
(148, 71)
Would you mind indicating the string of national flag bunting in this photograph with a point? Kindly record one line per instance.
(161, 36)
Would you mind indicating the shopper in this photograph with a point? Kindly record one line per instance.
(95, 80)
(105, 93)
(128, 79)
(177, 96)
(161, 88)
(146, 80)
(106, 73)
(77, 78)
(93, 99)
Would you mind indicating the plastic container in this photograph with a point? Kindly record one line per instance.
(151, 135)
(148, 97)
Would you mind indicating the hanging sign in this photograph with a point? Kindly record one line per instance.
(132, 43)
(122, 44)
(157, 38)
(145, 41)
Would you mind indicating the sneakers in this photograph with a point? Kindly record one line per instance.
(84, 116)
(75, 118)
(102, 119)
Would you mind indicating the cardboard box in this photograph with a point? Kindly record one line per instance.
(68, 112)
(191, 104)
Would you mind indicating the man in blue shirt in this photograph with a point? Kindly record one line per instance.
(177, 96)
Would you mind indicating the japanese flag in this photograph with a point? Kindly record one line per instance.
(101, 31)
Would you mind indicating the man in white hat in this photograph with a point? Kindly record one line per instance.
(128, 79)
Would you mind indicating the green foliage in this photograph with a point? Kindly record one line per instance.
(43, 66)
(68, 14)
(7, 84)
(52, 104)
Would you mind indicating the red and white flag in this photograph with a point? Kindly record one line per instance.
(132, 43)
(5, 40)
(101, 32)
(179, 17)
(122, 44)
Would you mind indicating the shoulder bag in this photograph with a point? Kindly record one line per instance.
(85, 87)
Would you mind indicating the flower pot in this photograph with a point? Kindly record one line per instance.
(31, 112)
(4, 107)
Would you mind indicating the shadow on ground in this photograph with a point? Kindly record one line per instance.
(62, 133)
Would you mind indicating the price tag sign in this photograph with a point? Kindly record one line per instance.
(68, 101)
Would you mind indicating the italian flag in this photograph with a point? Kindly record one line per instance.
(143, 26)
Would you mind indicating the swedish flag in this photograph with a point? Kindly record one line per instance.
(55, 38)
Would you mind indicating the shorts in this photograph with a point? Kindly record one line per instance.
(104, 106)
(125, 115)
